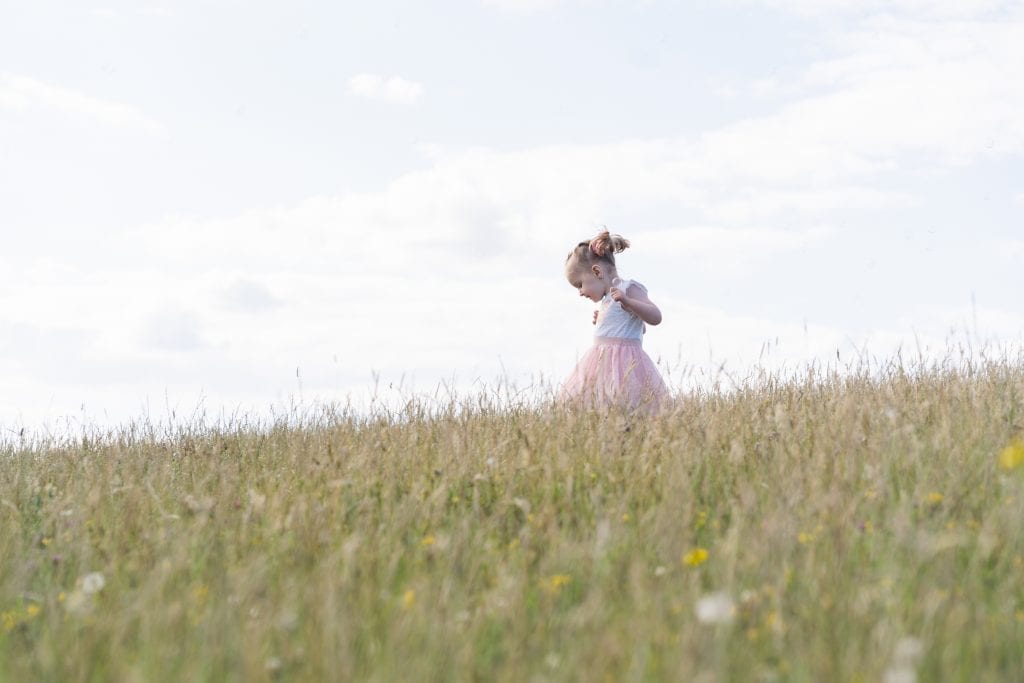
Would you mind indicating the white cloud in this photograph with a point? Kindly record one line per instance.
(20, 92)
(173, 330)
(111, 14)
(156, 12)
(703, 241)
(522, 5)
(248, 295)
(945, 92)
(919, 8)
(388, 89)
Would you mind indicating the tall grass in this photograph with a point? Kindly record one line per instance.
(817, 526)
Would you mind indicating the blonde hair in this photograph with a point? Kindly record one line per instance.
(601, 248)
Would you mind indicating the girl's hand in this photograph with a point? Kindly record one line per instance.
(618, 295)
(638, 303)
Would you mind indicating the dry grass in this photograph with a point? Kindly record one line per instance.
(853, 526)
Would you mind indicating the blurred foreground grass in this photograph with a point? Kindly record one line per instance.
(862, 526)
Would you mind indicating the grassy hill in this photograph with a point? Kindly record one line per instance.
(854, 526)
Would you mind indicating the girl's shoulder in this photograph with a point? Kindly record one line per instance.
(633, 283)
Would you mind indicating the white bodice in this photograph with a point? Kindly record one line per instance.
(615, 321)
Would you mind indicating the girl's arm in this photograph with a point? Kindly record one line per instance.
(636, 301)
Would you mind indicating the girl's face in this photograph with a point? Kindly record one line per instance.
(591, 283)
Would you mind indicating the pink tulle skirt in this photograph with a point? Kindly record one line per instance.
(615, 372)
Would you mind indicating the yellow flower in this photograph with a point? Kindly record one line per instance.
(409, 599)
(553, 584)
(934, 498)
(32, 610)
(695, 557)
(1012, 456)
(200, 593)
(428, 541)
(804, 538)
(702, 519)
(9, 621)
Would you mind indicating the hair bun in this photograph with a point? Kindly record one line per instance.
(606, 243)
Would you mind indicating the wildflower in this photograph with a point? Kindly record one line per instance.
(900, 674)
(702, 519)
(934, 498)
(200, 593)
(716, 608)
(1012, 456)
(32, 611)
(8, 620)
(804, 538)
(409, 599)
(695, 557)
(93, 583)
(553, 584)
(908, 650)
(428, 541)
(78, 602)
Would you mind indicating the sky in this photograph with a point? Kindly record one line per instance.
(226, 207)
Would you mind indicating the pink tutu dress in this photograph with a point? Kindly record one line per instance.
(616, 372)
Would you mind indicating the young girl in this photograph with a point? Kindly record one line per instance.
(615, 371)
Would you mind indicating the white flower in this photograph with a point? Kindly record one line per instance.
(900, 675)
(716, 608)
(908, 650)
(93, 583)
(78, 603)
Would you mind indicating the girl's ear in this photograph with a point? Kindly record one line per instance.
(596, 270)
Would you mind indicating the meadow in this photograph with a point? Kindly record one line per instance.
(861, 524)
